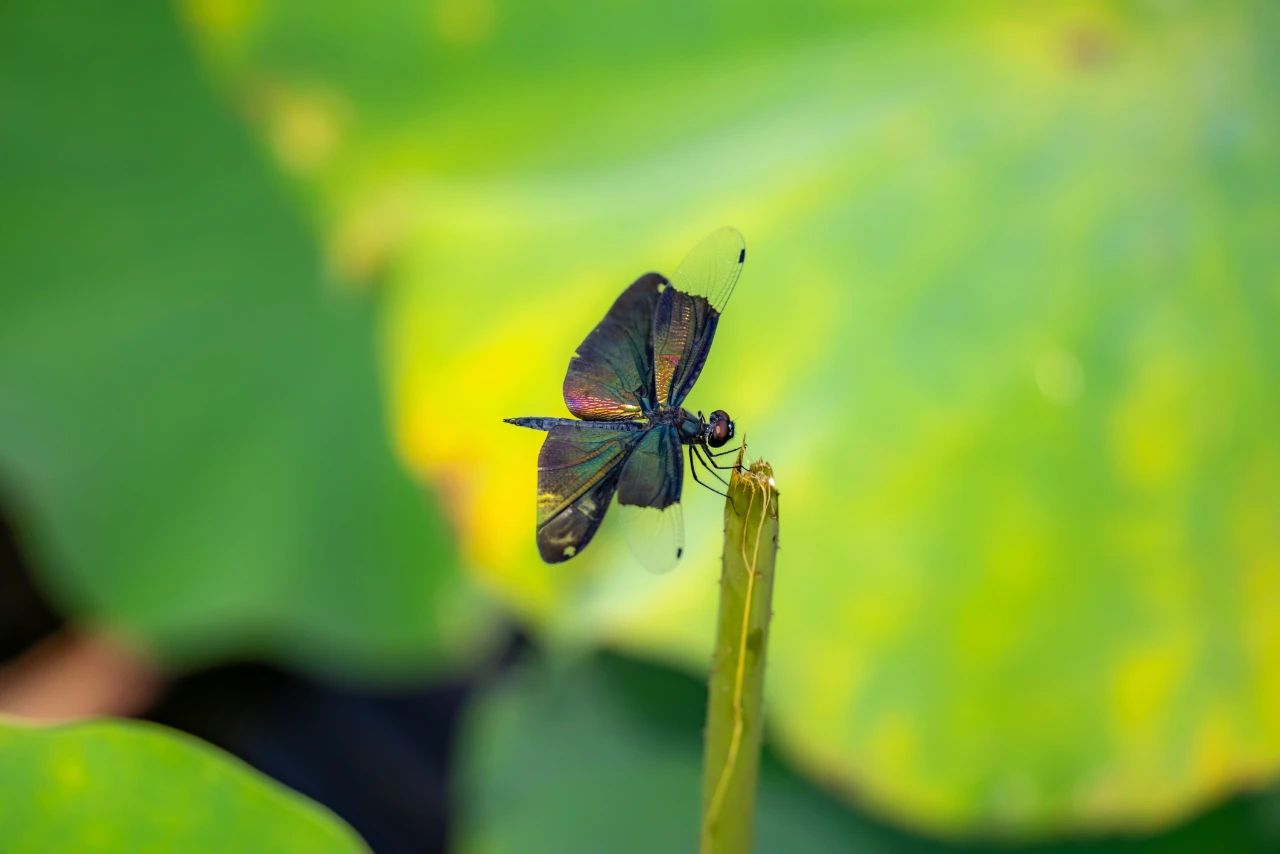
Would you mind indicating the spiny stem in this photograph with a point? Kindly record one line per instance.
(735, 701)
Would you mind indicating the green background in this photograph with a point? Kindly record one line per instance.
(1006, 332)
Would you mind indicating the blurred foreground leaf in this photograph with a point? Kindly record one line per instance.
(605, 755)
(190, 429)
(117, 786)
(1018, 264)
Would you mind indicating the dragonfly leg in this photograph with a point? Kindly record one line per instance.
(693, 469)
(698, 453)
(714, 464)
(710, 453)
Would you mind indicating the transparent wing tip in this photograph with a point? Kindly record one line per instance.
(655, 537)
(711, 268)
(725, 243)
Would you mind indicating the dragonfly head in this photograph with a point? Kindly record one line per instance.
(719, 429)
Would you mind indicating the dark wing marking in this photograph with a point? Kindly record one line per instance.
(649, 500)
(578, 471)
(654, 474)
(688, 311)
(610, 378)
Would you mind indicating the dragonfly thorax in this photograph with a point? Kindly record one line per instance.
(695, 429)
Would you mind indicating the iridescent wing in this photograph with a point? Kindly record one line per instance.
(610, 378)
(578, 471)
(649, 498)
(688, 310)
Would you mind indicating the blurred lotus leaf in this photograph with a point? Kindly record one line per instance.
(1006, 332)
(605, 755)
(118, 786)
(190, 429)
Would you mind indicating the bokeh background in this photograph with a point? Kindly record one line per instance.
(273, 273)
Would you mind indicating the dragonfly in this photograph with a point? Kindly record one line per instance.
(626, 385)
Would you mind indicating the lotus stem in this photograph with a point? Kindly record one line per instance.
(735, 702)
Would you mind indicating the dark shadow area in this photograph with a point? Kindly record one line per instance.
(379, 760)
(26, 614)
(382, 759)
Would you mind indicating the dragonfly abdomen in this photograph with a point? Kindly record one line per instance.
(536, 423)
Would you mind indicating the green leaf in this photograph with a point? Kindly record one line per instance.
(123, 786)
(1017, 269)
(191, 428)
(604, 755)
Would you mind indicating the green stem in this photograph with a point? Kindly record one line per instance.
(735, 702)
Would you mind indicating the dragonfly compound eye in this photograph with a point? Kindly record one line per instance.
(721, 429)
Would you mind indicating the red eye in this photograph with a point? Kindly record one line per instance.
(721, 429)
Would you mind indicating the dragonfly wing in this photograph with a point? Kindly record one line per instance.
(683, 327)
(610, 378)
(711, 268)
(578, 471)
(687, 312)
(649, 499)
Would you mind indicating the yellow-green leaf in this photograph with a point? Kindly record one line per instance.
(1018, 272)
